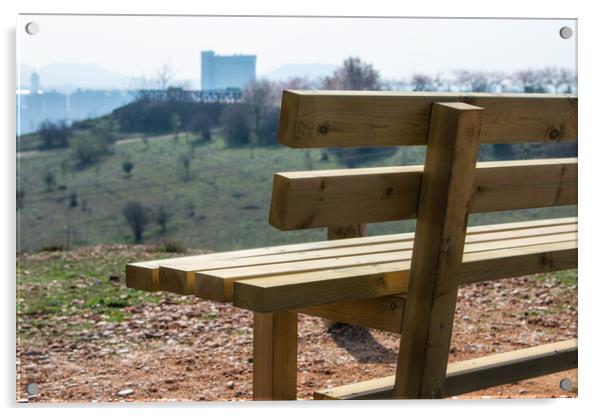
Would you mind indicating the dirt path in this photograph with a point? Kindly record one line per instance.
(35, 153)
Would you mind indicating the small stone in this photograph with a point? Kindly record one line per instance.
(230, 385)
(125, 392)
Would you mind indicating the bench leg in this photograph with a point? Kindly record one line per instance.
(275, 356)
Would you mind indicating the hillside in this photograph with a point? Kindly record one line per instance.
(223, 205)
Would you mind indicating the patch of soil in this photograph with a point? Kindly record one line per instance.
(203, 350)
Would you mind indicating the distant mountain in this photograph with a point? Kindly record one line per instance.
(310, 71)
(67, 77)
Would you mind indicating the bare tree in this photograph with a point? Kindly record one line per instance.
(477, 81)
(164, 76)
(529, 80)
(354, 75)
(184, 161)
(49, 180)
(260, 96)
(162, 80)
(136, 217)
(562, 80)
(421, 82)
(296, 83)
(162, 217)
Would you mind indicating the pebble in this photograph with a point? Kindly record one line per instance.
(230, 385)
(125, 392)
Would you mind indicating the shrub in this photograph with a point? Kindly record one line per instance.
(267, 130)
(136, 217)
(172, 246)
(54, 134)
(127, 167)
(162, 217)
(72, 200)
(49, 180)
(52, 247)
(200, 125)
(235, 125)
(185, 166)
(87, 149)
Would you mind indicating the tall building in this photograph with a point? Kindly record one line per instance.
(219, 72)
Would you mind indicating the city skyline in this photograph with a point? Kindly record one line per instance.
(134, 46)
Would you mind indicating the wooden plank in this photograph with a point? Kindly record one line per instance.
(142, 277)
(275, 356)
(384, 313)
(370, 118)
(302, 290)
(180, 279)
(146, 275)
(442, 219)
(311, 199)
(476, 374)
(217, 284)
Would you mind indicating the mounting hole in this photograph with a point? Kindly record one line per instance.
(566, 32)
(32, 28)
(566, 384)
(32, 389)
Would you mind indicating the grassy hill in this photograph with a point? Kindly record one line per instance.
(223, 205)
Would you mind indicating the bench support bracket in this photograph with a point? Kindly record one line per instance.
(442, 216)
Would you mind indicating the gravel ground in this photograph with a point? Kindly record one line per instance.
(180, 350)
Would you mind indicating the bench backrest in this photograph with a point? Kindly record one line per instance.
(439, 195)
(329, 198)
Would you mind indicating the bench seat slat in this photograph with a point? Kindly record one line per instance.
(217, 284)
(181, 279)
(471, 375)
(300, 290)
(145, 275)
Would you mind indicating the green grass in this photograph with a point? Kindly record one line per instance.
(223, 206)
(63, 285)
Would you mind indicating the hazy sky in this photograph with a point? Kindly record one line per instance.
(397, 47)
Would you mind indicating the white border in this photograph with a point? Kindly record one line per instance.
(589, 159)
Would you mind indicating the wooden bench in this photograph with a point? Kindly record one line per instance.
(401, 283)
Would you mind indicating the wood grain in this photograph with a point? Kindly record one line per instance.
(386, 118)
(320, 287)
(146, 275)
(476, 374)
(217, 284)
(302, 200)
(275, 356)
(384, 313)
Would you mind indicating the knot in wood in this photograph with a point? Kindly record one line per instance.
(323, 129)
(553, 134)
